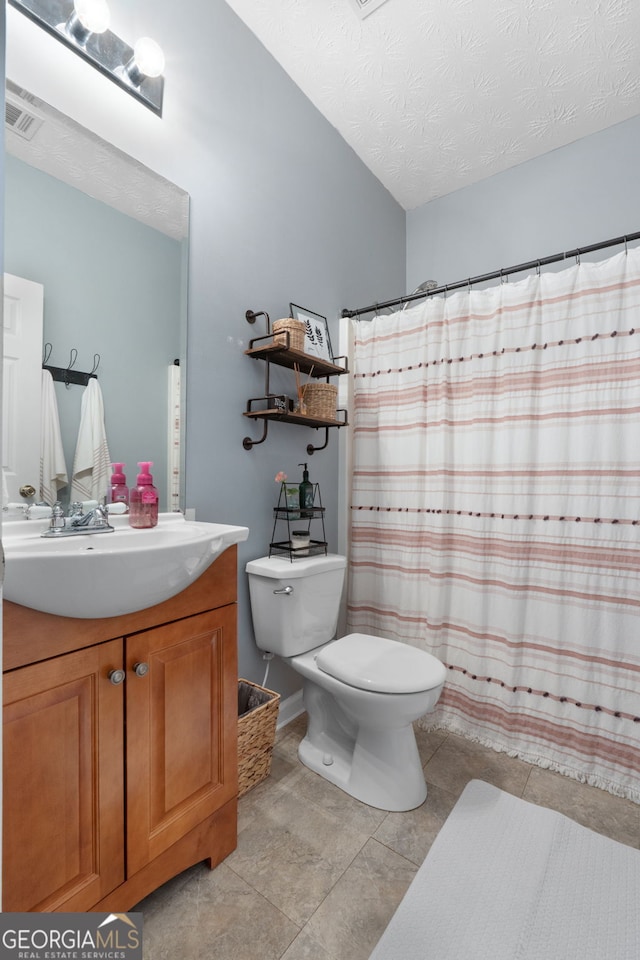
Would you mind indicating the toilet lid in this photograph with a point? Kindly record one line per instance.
(381, 665)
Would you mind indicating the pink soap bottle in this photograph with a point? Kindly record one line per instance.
(118, 491)
(143, 499)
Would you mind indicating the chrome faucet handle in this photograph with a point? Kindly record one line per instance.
(101, 514)
(57, 516)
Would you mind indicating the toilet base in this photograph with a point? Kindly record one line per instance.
(379, 768)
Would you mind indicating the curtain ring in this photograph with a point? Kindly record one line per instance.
(626, 250)
(578, 259)
(538, 268)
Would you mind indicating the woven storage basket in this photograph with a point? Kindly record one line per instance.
(256, 733)
(321, 400)
(296, 333)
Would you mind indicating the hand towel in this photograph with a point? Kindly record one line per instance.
(91, 462)
(53, 469)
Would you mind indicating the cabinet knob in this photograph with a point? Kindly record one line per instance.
(141, 669)
(116, 677)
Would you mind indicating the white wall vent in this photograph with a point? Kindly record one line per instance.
(21, 121)
(365, 7)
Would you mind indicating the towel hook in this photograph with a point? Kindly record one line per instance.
(96, 364)
(73, 356)
(48, 347)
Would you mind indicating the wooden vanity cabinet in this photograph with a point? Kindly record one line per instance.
(113, 786)
(63, 801)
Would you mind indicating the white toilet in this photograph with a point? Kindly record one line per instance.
(361, 693)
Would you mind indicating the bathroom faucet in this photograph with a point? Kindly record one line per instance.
(96, 518)
(78, 523)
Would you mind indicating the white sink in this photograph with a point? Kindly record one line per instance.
(109, 574)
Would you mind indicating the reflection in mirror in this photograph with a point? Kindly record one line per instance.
(105, 240)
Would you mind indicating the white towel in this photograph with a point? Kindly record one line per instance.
(53, 469)
(91, 463)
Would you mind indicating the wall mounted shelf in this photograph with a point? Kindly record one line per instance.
(276, 406)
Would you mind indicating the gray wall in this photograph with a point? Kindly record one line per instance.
(281, 210)
(2, 71)
(577, 195)
(111, 286)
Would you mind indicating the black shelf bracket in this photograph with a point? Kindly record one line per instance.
(248, 443)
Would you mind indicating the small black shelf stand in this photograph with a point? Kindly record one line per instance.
(294, 519)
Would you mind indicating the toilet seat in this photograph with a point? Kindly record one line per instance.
(380, 665)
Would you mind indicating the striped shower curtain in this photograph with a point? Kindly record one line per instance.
(495, 510)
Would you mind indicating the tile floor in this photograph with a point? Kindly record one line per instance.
(317, 875)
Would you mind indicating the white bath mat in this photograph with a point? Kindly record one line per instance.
(508, 880)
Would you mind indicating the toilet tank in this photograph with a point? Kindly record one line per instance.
(295, 604)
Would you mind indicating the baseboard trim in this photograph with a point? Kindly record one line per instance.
(290, 708)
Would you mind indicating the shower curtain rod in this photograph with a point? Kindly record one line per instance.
(496, 275)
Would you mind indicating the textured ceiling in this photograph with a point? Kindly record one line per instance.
(69, 152)
(436, 94)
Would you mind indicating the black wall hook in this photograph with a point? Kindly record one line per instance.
(68, 375)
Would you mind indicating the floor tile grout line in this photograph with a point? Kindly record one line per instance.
(263, 896)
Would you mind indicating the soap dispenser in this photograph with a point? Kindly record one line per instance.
(306, 493)
(118, 491)
(143, 499)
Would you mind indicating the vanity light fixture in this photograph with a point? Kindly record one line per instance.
(147, 61)
(83, 25)
(87, 17)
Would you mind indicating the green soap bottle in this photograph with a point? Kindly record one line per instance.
(306, 493)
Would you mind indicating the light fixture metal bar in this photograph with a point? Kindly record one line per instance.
(105, 51)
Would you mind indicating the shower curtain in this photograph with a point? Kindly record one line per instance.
(495, 510)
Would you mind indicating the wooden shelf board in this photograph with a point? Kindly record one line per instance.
(289, 358)
(298, 418)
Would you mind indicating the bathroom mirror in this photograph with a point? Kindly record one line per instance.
(107, 240)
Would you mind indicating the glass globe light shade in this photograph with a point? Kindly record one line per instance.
(148, 56)
(93, 15)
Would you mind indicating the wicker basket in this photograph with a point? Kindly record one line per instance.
(321, 400)
(296, 330)
(257, 716)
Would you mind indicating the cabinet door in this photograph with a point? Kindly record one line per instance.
(63, 806)
(182, 716)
